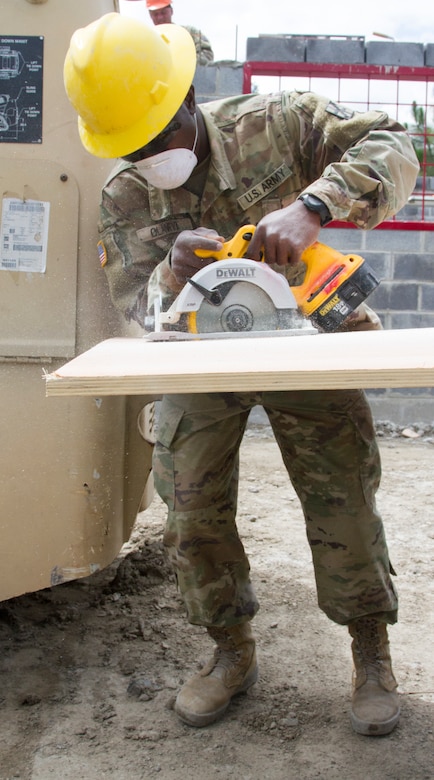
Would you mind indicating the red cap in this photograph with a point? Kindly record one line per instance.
(155, 5)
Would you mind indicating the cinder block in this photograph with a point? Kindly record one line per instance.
(395, 53)
(330, 50)
(427, 183)
(427, 303)
(398, 297)
(276, 49)
(392, 240)
(411, 320)
(407, 391)
(401, 411)
(429, 241)
(343, 239)
(429, 55)
(414, 267)
(378, 391)
(217, 80)
(380, 263)
(410, 212)
(205, 80)
(229, 79)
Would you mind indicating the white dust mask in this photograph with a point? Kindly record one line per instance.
(170, 169)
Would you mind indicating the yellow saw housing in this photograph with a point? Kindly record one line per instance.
(334, 284)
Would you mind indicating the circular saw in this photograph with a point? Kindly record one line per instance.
(235, 297)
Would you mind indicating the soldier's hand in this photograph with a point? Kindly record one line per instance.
(184, 262)
(362, 318)
(282, 236)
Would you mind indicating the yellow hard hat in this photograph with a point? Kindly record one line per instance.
(126, 80)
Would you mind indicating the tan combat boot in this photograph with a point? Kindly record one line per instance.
(233, 669)
(375, 706)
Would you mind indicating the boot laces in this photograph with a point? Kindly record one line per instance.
(368, 647)
(226, 654)
(226, 659)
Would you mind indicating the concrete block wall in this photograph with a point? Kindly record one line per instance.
(338, 49)
(403, 261)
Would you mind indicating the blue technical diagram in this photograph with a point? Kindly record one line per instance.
(21, 79)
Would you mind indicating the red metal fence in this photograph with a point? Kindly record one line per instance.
(406, 93)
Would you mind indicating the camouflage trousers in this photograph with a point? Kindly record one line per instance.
(328, 445)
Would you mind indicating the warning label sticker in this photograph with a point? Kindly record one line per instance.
(24, 235)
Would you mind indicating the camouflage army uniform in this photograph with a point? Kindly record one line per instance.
(204, 52)
(265, 150)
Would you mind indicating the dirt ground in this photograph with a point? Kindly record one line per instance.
(90, 670)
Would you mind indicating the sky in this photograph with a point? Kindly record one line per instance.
(228, 23)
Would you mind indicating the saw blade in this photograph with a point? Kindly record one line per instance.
(244, 308)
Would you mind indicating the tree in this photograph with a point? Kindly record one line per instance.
(422, 138)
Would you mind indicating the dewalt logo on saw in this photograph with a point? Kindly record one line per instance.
(237, 273)
(331, 304)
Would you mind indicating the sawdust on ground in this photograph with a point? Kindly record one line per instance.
(90, 670)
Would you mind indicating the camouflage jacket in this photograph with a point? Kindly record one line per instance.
(204, 52)
(265, 151)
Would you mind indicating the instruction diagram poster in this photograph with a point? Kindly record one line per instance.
(21, 78)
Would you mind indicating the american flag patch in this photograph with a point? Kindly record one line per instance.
(102, 253)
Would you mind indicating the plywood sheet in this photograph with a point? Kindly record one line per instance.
(130, 366)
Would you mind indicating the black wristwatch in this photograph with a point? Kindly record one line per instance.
(318, 206)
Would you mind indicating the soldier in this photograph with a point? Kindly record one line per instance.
(161, 12)
(189, 176)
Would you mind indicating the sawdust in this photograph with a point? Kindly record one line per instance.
(90, 670)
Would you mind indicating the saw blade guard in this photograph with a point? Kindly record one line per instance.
(234, 271)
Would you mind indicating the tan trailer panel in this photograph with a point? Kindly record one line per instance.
(72, 473)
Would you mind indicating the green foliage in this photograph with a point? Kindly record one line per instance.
(422, 138)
